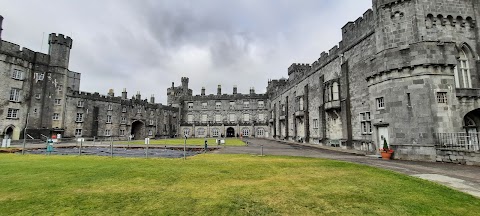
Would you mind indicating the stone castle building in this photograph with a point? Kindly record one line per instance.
(41, 94)
(407, 71)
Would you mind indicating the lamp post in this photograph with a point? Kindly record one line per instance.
(25, 134)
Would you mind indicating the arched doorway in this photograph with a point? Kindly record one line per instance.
(471, 123)
(230, 132)
(9, 132)
(138, 130)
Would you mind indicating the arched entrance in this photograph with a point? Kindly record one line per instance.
(138, 130)
(9, 132)
(230, 132)
(471, 123)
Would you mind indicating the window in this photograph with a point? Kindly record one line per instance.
(122, 132)
(366, 122)
(260, 132)
(109, 119)
(139, 110)
(201, 132)
(442, 97)
(261, 117)
(56, 116)
(108, 132)
(124, 109)
(58, 101)
(300, 104)
(152, 122)
(79, 117)
(245, 132)
(39, 76)
(37, 96)
(190, 105)
(215, 132)
(218, 105)
(17, 74)
(190, 118)
(35, 111)
(80, 103)
(246, 117)
(78, 132)
(261, 104)
(246, 104)
(218, 118)
(232, 104)
(150, 133)
(124, 120)
(15, 95)
(204, 118)
(186, 132)
(12, 113)
(204, 105)
(110, 107)
(380, 103)
(335, 93)
(232, 117)
(316, 124)
(462, 71)
(60, 88)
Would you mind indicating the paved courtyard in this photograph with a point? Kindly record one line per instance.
(460, 177)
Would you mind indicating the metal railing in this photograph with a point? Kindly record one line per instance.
(457, 141)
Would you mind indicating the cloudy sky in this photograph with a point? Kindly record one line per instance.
(145, 45)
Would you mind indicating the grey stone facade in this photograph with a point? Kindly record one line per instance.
(220, 115)
(39, 89)
(397, 73)
(405, 71)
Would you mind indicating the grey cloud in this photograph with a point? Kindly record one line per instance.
(145, 45)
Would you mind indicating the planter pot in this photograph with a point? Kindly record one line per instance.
(386, 155)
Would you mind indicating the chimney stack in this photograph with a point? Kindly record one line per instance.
(152, 99)
(203, 91)
(219, 90)
(124, 94)
(1, 21)
(252, 90)
(235, 90)
(139, 97)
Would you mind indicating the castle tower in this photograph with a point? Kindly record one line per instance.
(235, 90)
(185, 84)
(59, 50)
(138, 96)
(203, 91)
(56, 87)
(219, 90)
(124, 94)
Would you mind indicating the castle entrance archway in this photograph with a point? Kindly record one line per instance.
(9, 132)
(471, 123)
(138, 130)
(230, 132)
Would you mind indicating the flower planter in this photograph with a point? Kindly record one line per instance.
(386, 155)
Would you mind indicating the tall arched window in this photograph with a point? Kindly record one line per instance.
(462, 71)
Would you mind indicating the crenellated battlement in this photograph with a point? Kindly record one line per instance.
(60, 39)
(388, 3)
(224, 97)
(353, 31)
(24, 53)
(297, 67)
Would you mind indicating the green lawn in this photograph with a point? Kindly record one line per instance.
(216, 185)
(190, 142)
